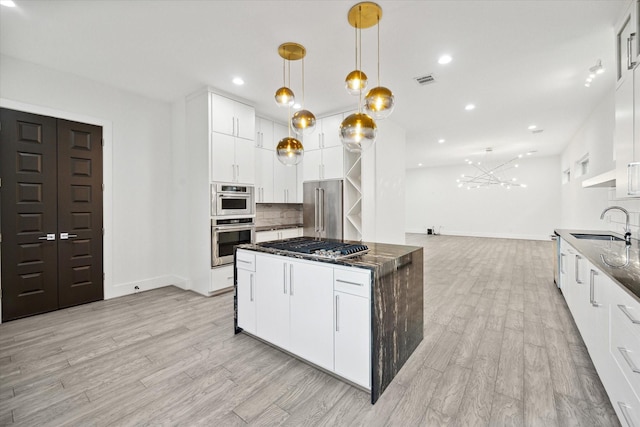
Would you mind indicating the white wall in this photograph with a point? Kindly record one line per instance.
(383, 186)
(581, 207)
(434, 199)
(137, 177)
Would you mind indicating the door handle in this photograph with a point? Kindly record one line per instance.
(591, 288)
(630, 63)
(627, 358)
(50, 236)
(577, 272)
(251, 287)
(337, 313)
(67, 236)
(284, 278)
(291, 279)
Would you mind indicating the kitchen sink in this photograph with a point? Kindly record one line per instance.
(610, 237)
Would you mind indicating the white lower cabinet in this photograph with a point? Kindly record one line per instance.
(272, 293)
(352, 338)
(247, 300)
(609, 321)
(311, 312)
(221, 278)
(314, 310)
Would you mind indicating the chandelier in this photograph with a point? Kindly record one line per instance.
(488, 174)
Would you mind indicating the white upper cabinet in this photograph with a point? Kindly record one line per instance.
(232, 159)
(331, 131)
(232, 141)
(232, 118)
(264, 175)
(264, 134)
(627, 109)
(627, 46)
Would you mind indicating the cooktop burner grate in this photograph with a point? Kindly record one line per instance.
(318, 248)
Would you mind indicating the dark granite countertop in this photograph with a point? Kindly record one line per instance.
(277, 227)
(382, 257)
(610, 257)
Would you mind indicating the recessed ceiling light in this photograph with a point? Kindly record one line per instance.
(469, 107)
(296, 106)
(444, 59)
(532, 127)
(8, 3)
(441, 141)
(238, 81)
(587, 85)
(419, 164)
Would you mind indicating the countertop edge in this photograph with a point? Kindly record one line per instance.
(578, 244)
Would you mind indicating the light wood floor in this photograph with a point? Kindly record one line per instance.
(500, 348)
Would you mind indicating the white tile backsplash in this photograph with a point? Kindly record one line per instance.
(268, 214)
(615, 220)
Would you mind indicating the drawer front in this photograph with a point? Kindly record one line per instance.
(626, 308)
(624, 401)
(625, 348)
(245, 260)
(355, 281)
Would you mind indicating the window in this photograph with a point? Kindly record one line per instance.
(582, 165)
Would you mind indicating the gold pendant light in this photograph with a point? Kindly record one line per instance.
(289, 150)
(289, 52)
(379, 101)
(358, 131)
(303, 121)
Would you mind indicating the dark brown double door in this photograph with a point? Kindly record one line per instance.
(51, 213)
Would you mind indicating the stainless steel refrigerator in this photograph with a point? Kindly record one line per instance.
(323, 209)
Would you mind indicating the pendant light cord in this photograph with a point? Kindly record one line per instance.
(359, 50)
(378, 49)
(303, 82)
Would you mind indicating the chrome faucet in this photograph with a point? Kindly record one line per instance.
(627, 228)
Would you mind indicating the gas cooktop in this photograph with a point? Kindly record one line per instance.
(317, 248)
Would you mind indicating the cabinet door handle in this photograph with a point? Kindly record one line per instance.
(577, 272)
(627, 358)
(251, 287)
(562, 263)
(233, 125)
(349, 283)
(592, 281)
(316, 210)
(284, 277)
(337, 313)
(290, 279)
(630, 63)
(626, 312)
(624, 408)
(633, 180)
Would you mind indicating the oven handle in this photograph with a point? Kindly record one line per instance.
(233, 228)
(234, 195)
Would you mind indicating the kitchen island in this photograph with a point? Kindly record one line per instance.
(359, 318)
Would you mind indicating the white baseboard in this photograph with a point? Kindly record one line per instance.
(129, 288)
(488, 235)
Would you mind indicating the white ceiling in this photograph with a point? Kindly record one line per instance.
(521, 62)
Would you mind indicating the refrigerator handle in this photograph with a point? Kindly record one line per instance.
(315, 208)
(322, 210)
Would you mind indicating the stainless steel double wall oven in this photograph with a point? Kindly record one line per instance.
(232, 220)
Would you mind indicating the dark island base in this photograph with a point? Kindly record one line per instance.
(397, 320)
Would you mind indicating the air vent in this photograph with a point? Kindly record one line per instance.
(537, 131)
(425, 80)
